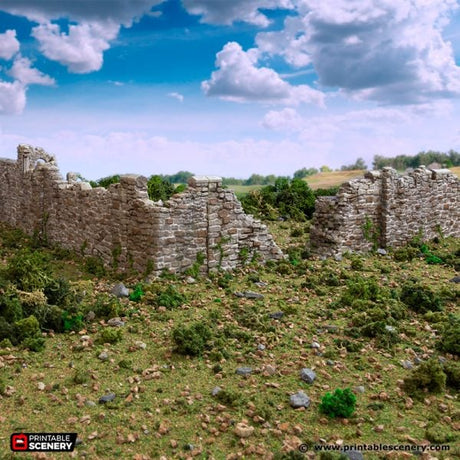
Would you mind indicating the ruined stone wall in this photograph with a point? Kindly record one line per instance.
(122, 225)
(386, 210)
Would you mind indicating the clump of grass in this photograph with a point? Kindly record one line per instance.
(110, 335)
(170, 298)
(450, 340)
(341, 403)
(420, 298)
(428, 377)
(191, 340)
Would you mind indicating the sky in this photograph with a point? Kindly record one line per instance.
(228, 87)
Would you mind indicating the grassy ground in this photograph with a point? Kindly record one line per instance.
(456, 170)
(164, 407)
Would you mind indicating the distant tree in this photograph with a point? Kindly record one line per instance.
(325, 169)
(159, 188)
(106, 181)
(180, 177)
(358, 164)
(304, 172)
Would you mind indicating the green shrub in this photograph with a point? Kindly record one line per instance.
(359, 288)
(191, 340)
(29, 270)
(405, 254)
(80, 376)
(341, 403)
(110, 335)
(420, 298)
(357, 264)
(58, 292)
(105, 306)
(229, 398)
(27, 328)
(95, 266)
(437, 434)
(428, 376)
(159, 188)
(137, 293)
(7, 331)
(72, 321)
(450, 340)
(170, 298)
(194, 270)
(452, 371)
(34, 343)
(11, 307)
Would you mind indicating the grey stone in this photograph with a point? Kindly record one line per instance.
(244, 370)
(315, 345)
(261, 346)
(300, 399)
(104, 356)
(441, 359)
(215, 390)
(120, 290)
(329, 362)
(359, 389)
(389, 328)
(407, 364)
(455, 279)
(307, 375)
(90, 316)
(276, 315)
(261, 283)
(381, 252)
(249, 295)
(353, 454)
(418, 360)
(107, 398)
(190, 280)
(90, 403)
(115, 322)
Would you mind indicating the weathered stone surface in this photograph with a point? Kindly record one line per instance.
(385, 210)
(307, 375)
(121, 222)
(300, 399)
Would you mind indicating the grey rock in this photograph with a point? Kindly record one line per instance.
(120, 290)
(389, 328)
(418, 360)
(381, 252)
(359, 389)
(331, 327)
(455, 279)
(90, 403)
(329, 362)
(104, 356)
(261, 283)
(190, 280)
(315, 345)
(115, 322)
(90, 316)
(338, 257)
(300, 399)
(107, 398)
(441, 359)
(249, 295)
(307, 375)
(216, 390)
(407, 364)
(261, 347)
(84, 338)
(244, 370)
(276, 315)
(354, 455)
(140, 345)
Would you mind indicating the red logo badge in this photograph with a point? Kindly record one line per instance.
(19, 442)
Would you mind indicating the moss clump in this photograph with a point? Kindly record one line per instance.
(405, 254)
(191, 340)
(450, 340)
(341, 403)
(81, 376)
(170, 298)
(420, 299)
(437, 434)
(110, 335)
(27, 328)
(429, 376)
(452, 371)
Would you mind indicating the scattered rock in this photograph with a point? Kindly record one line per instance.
(104, 356)
(359, 389)
(261, 284)
(381, 252)
(329, 362)
(190, 280)
(244, 370)
(418, 360)
(243, 430)
(249, 295)
(307, 375)
(90, 316)
(353, 455)
(107, 398)
(115, 322)
(276, 315)
(389, 328)
(270, 370)
(90, 403)
(407, 364)
(215, 391)
(140, 345)
(120, 290)
(84, 338)
(315, 345)
(300, 399)
(338, 257)
(261, 347)
(455, 279)
(379, 428)
(41, 386)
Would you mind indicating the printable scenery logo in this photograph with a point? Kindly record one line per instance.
(43, 442)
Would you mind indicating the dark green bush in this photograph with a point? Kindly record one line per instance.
(110, 335)
(405, 254)
(437, 434)
(452, 371)
(450, 339)
(170, 298)
(27, 328)
(58, 292)
(137, 293)
(34, 343)
(191, 340)
(95, 266)
(428, 376)
(105, 306)
(159, 188)
(72, 321)
(7, 331)
(10, 307)
(81, 376)
(341, 403)
(420, 298)
(359, 288)
(29, 270)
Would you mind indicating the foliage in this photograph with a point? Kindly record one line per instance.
(110, 335)
(137, 293)
(437, 434)
(191, 340)
(159, 188)
(341, 403)
(452, 371)
(80, 376)
(428, 376)
(106, 181)
(286, 198)
(58, 292)
(95, 266)
(194, 270)
(402, 162)
(305, 172)
(358, 164)
(359, 288)
(72, 321)
(170, 298)
(106, 306)
(450, 340)
(420, 298)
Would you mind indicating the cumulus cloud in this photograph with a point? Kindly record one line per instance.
(228, 11)
(177, 96)
(81, 50)
(12, 97)
(387, 51)
(239, 79)
(9, 45)
(23, 72)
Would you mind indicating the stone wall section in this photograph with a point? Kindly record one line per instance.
(122, 224)
(386, 209)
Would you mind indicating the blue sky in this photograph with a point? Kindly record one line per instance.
(228, 87)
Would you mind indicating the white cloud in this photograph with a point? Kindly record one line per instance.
(81, 50)
(177, 96)
(12, 97)
(228, 11)
(239, 79)
(9, 45)
(23, 71)
(383, 50)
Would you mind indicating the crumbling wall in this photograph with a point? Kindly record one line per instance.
(122, 225)
(385, 210)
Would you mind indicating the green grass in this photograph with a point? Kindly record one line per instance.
(164, 399)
